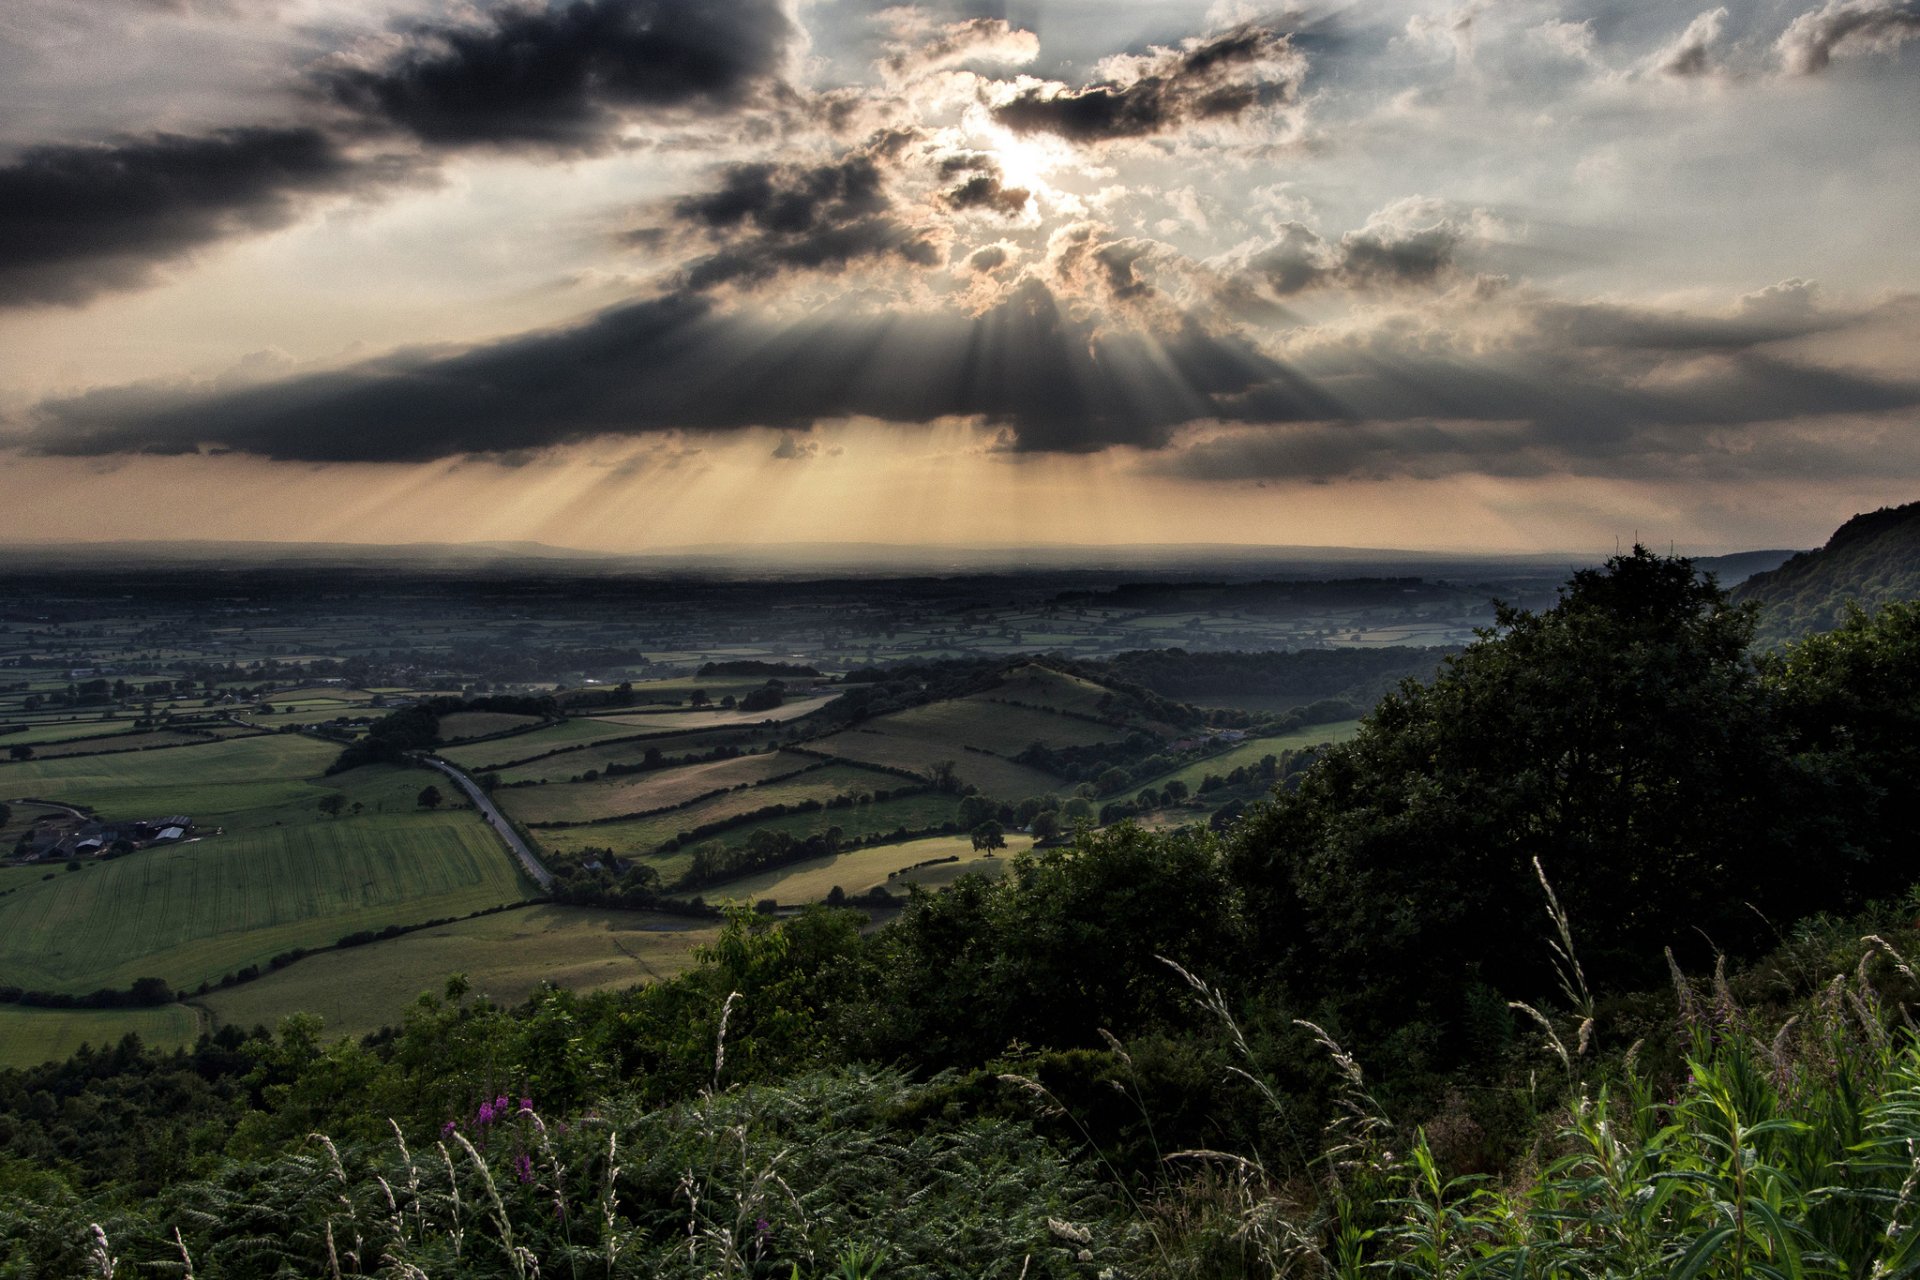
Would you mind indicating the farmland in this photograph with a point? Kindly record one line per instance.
(505, 956)
(911, 746)
(639, 793)
(858, 870)
(1251, 752)
(558, 766)
(192, 913)
(29, 1036)
(644, 834)
(137, 698)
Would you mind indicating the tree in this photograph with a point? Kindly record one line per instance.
(1046, 824)
(988, 836)
(1175, 792)
(332, 803)
(430, 797)
(20, 751)
(698, 698)
(940, 774)
(1621, 738)
(6, 813)
(975, 810)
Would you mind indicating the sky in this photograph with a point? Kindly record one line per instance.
(638, 274)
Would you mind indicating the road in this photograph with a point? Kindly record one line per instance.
(501, 827)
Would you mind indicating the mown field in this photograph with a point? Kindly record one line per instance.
(191, 913)
(212, 778)
(859, 870)
(505, 956)
(29, 1037)
(642, 835)
(1250, 753)
(640, 792)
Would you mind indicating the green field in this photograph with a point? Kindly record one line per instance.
(478, 724)
(859, 870)
(114, 742)
(664, 721)
(216, 777)
(641, 835)
(505, 956)
(1251, 752)
(640, 792)
(559, 766)
(29, 1037)
(190, 913)
(910, 745)
(576, 732)
(1041, 686)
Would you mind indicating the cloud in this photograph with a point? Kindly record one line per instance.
(921, 47)
(78, 221)
(1690, 55)
(988, 192)
(770, 218)
(1218, 77)
(680, 362)
(1412, 242)
(1813, 39)
(562, 76)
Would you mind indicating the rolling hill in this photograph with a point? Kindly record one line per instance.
(1869, 560)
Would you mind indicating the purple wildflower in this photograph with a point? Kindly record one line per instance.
(446, 1130)
(762, 1228)
(523, 1167)
(526, 1104)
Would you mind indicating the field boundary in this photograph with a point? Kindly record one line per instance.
(561, 824)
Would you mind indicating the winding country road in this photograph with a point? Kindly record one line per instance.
(501, 827)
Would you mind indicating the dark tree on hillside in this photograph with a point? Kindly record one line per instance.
(1622, 738)
(332, 803)
(989, 836)
(430, 797)
(20, 751)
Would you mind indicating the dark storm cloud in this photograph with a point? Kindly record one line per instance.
(1220, 77)
(988, 192)
(680, 362)
(559, 76)
(772, 218)
(1811, 41)
(78, 221)
(1377, 256)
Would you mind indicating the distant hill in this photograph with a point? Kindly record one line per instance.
(1870, 560)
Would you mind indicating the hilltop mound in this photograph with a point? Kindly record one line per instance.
(1870, 560)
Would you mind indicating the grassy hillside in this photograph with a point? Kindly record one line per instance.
(30, 1036)
(506, 956)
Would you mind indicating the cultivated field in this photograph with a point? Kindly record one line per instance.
(579, 731)
(1041, 686)
(859, 870)
(664, 721)
(907, 745)
(642, 835)
(1252, 751)
(29, 1037)
(505, 956)
(193, 912)
(641, 792)
(559, 766)
(215, 777)
(479, 724)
